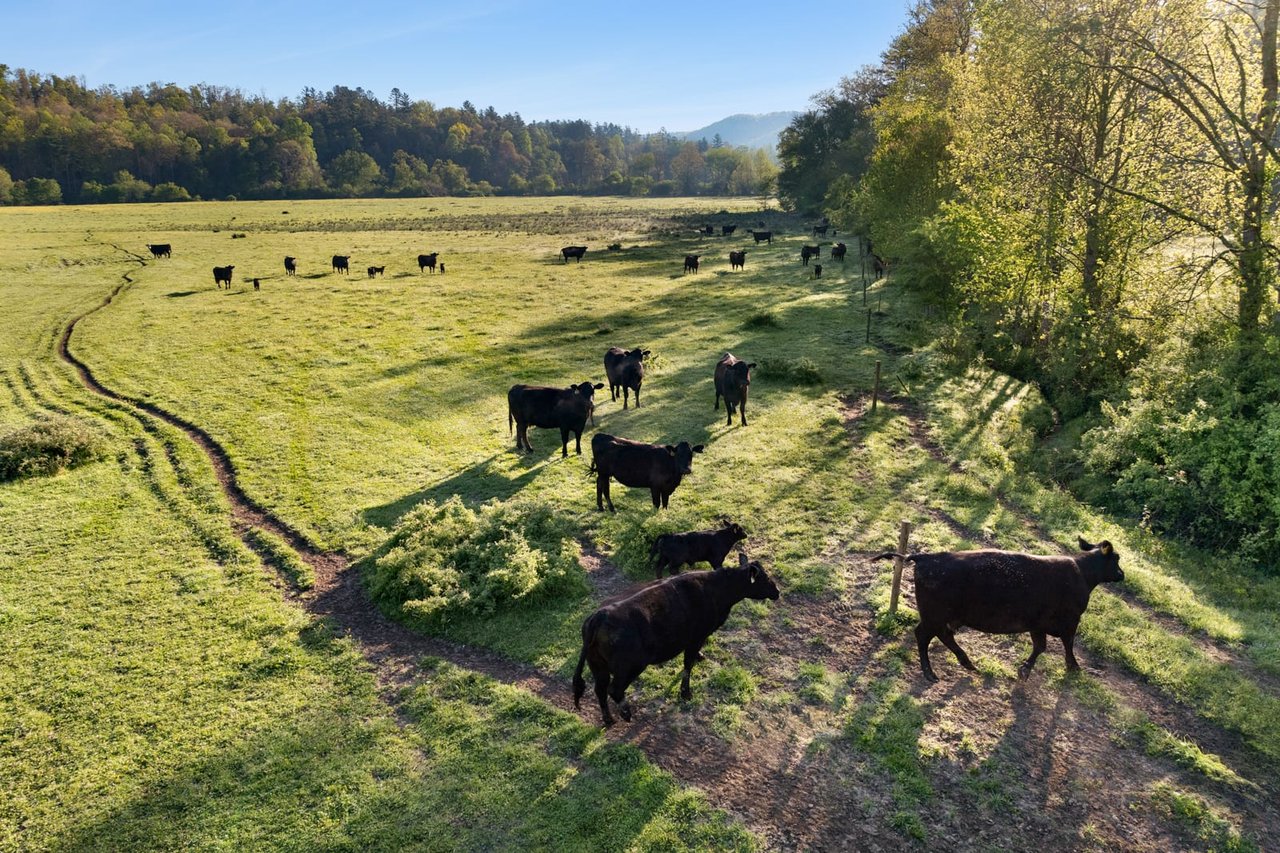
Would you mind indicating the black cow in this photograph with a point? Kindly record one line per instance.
(290, 265)
(340, 263)
(738, 260)
(1004, 592)
(160, 250)
(708, 230)
(733, 377)
(565, 409)
(378, 271)
(255, 285)
(820, 230)
(625, 371)
(817, 270)
(838, 252)
(727, 230)
(670, 551)
(427, 262)
(807, 252)
(575, 252)
(655, 467)
(878, 265)
(222, 275)
(762, 236)
(659, 621)
(691, 263)
(441, 268)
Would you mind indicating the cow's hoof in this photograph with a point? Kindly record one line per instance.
(930, 677)
(625, 710)
(608, 721)
(686, 695)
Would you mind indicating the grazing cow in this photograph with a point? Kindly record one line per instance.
(222, 275)
(290, 265)
(625, 372)
(441, 268)
(565, 409)
(378, 271)
(1004, 592)
(160, 250)
(708, 230)
(820, 230)
(658, 622)
(807, 252)
(878, 265)
(817, 270)
(727, 230)
(575, 252)
(670, 551)
(762, 236)
(738, 260)
(427, 262)
(340, 263)
(691, 263)
(255, 285)
(733, 377)
(656, 467)
(838, 252)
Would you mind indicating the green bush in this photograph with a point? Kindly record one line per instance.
(445, 560)
(762, 320)
(48, 446)
(797, 371)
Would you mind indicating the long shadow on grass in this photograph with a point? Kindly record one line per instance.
(479, 483)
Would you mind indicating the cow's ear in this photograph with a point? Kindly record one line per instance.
(670, 449)
(647, 353)
(742, 559)
(697, 448)
(1084, 543)
(1105, 547)
(598, 385)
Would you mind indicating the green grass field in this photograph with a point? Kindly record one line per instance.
(159, 691)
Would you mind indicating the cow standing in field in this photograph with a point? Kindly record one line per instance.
(807, 252)
(659, 621)
(1004, 592)
(222, 275)
(762, 236)
(691, 263)
(290, 265)
(820, 230)
(427, 262)
(727, 230)
(670, 551)
(256, 286)
(656, 467)
(376, 271)
(341, 263)
(732, 379)
(625, 371)
(738, 260)
(838, 252)
(160, 250)
(565, 409)
(707, 230)
(817, 270)
(878, 265)
(575, 252)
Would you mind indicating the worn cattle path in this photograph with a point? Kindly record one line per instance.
(789, 774)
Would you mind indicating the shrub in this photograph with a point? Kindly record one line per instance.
(798, 371)
(447, 560)
(48, 446)
(762, 320)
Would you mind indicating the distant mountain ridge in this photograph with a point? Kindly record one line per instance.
(753, 131)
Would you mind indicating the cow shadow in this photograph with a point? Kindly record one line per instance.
(486, 480)
(180, 293)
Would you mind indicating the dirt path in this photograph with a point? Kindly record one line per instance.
(792, 771)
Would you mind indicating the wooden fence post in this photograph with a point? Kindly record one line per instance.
(875, 389)
(868, 325)
(904, 533)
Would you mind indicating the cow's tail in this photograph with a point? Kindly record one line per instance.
(593, 469)
(511, 416)
(579, 683)
(888, 555)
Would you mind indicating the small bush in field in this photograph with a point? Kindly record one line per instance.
(762, 320)
(446, 559)
(798, 371)
(49, 446)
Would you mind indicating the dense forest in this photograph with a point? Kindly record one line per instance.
(63, 142)
(1087, 192)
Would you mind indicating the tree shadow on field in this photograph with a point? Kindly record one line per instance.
(487, 480)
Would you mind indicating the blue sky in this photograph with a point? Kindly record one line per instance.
(648, 65)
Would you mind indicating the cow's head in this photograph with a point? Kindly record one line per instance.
(741, 372)
(759, 585)
(586, 389)
(683, 454)
(1102, 561)
(734, 529)
(638, 354)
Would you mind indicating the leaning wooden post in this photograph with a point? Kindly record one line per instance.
(904, 533)
(875, 389)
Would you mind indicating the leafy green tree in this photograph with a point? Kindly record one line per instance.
(354, 173)
(6, 186)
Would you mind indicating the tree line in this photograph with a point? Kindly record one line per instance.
(1086, 191)
(63, 142)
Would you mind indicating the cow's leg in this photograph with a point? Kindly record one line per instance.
(637, 396)
(577, 441)
(923, 636)
(602, 692)
(666, 496)
(742, 409)
(564, 442)
(656, 496)
(602, 490)
(619, 691)
(948, 638)
(626, 394)
(728, 407)
(613, 392)
(692, 655)
(1038, 643)
(1068, 649)
(726, 402)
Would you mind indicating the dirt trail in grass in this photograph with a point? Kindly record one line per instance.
(792, 769)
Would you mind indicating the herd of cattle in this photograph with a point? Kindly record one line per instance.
(998, 592)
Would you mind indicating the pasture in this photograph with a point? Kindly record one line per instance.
(166, 685)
